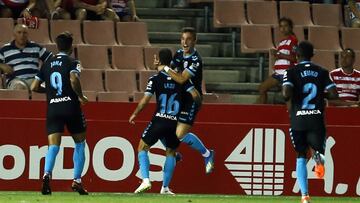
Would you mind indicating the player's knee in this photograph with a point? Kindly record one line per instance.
(143, 146)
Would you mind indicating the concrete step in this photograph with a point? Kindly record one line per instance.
(244, 98)
(232, 86)
(230, 61)
(162, 26)
(205, 50)
(220, 76)
(150, 4)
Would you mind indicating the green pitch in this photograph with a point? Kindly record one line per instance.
(63, 197)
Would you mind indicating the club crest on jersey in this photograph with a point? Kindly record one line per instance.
(307, 112)
(186, 64)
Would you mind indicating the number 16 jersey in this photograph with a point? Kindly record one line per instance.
(309, 82)
(61, 98)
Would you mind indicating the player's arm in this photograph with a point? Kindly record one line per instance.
(36, 86)
(76, 86)
(196, 96)
(180, 78)
(287, 88)
(6, 69)
(142, 104)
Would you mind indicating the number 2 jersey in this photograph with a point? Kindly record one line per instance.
(61, 98)
(168, 96)
(309, 82)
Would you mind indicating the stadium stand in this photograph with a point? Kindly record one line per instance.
(128, 57)
(229, 13)
(40, 35)
(298, 11)
(132, 33)
(73, 26)
(113, 96)
(139, 95)
(92, 80)
(327, 14)
(324, 37)
(7, 25)
(144, 77)
(93, 56)
(256, 38)
(121, 80)
(6, 94)
(350, 38)
(325, 58)
(262, 12)
(99, 32)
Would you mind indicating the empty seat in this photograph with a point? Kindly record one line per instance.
(38, 96)
(40, 35)
(6, 94)
(132, 33)
(93, 56)
(326, 59)
(7, 27)
(324, 37)
(113, 97)
(73, 26)
(91, 95)
(297, 11)
(92, 80)
(298, 30)
(144, 77)
(256, 38)
(120, 80)
(128, 57)
(139, 95)
(229, 13)
(327, 14)
(262, 12)
(350, 38)
(99, 32)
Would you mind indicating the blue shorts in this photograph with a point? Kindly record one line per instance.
(277, 77)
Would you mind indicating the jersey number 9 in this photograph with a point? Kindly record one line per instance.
(56, 82)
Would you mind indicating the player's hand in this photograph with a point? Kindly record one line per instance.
(132, 119)
(83, 100)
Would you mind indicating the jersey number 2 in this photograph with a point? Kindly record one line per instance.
(169, 106)
(311, 90)
(56, 82)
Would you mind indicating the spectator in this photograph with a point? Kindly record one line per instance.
(94, 10)
(354, 13)
(285, 56)
(23, 8)
(19, 59)
(346, 79)
(62, 9)
(122, 7)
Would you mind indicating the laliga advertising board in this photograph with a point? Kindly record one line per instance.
(254, 155)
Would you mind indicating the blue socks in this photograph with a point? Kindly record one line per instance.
(144, 164)
(50, 158)
(168, 169)
(194, 142)
(301, 174)
(79, 159)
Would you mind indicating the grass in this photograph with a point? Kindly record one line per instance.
(63, 197)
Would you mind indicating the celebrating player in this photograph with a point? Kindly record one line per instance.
(188, 61)
(304, 89)
(64, 95)
(163, 124)
(285, 57)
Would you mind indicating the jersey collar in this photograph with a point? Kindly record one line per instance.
(303, 62)
(190, 55)
(62, 54)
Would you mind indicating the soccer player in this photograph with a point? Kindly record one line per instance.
(188, 61)
(304, 88)
(285, 57)
(164, 121)
(346, 79)
(64, 96)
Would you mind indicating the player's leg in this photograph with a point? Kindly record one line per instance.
(316, 140)
(265, 87)
(300, 144)
(144, 166)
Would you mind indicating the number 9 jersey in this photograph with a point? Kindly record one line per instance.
(56, 75)
(309, 83)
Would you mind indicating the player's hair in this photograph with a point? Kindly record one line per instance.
(190, 30)
(351, 51)
(64, 41)
(305, 49)
(165, 56)
(289, 22)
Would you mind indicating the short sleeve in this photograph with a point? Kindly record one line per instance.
(2, 58)
(75, 67)
(150, 87)
(288, 78)
(193, 67)
(327, 81)
(44, 54)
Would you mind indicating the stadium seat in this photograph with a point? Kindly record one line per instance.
(121, 80)
(139, 95)
(326, 59)
(128, 57)
(6, 94)
(93, 56)
(350, 38)
(113, 96)
(7, 27)
(73, 26)
(92, 80)
(256, 38)
(324, 37)
(229, 13)
(327, 14)
(40, 35)
(144, 77)
(54, 50)
(298, 30)
(132, 33)
(262, 12)
(297, 11)
(99, 32)
(38, 96)
(91, 95)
